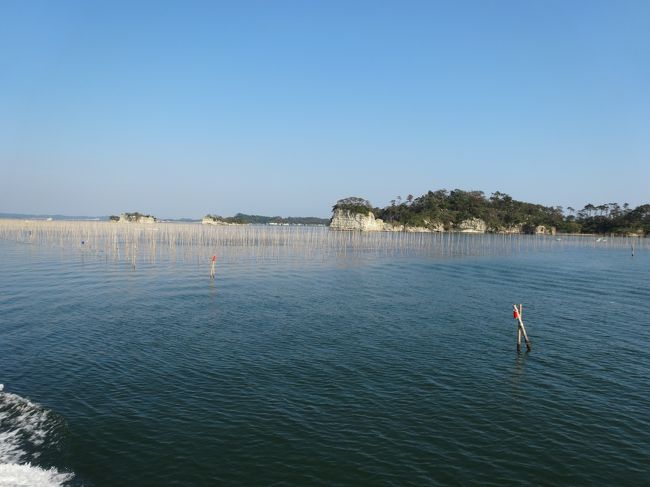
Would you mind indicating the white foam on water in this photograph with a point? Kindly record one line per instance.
(26, 475)
(24, 427)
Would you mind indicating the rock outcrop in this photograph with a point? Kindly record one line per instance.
(215, 220)
(350, 221)
(347, 220)
(512, 229)
(136, 218)
(471, 225)
(543, 230)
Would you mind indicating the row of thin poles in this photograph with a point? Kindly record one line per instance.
(189, 241)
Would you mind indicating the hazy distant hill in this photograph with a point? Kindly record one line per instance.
(278, 220)
(291, 220)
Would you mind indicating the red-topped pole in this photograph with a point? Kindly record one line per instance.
(521, 330)
(212, 268)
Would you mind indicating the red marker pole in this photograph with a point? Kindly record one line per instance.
(521, 329)
(212, 268)
(515, 315)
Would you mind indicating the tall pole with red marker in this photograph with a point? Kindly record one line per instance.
(521, 330)
(213, 267)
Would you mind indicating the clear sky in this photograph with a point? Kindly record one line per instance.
(280, 108)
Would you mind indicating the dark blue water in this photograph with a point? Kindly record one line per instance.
(354, 370)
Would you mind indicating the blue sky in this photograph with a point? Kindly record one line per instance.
(185, 108)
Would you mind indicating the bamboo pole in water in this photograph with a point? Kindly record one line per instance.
(521, 328)
(517, 313)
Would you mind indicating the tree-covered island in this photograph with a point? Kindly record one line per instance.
(133, 217)
(243, 219)
(445, 210)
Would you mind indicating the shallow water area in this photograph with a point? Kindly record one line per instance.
(324, 361)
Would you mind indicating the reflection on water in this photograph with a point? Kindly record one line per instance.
(519, 367)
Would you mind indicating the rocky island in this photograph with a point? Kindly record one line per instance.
(134, 217)
(472, 212)
(346, 219)
(218, 220)
(343, 219)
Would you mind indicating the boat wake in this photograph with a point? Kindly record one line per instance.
(31, 437)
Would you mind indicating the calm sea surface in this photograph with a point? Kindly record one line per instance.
(362, 369)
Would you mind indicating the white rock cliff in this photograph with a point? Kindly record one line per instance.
(346, 220)
(366, 222)
(471, 225)
(210, 220)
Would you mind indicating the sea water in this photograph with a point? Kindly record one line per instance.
(357, 368)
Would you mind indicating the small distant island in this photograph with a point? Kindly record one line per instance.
(243, 219)
(474, 212)
(134, 217)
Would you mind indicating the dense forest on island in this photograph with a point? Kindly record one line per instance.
(501, 212)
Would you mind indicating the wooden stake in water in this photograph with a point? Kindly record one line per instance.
(212, 268)
(521, 329)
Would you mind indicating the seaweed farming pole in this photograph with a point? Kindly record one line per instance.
(212, 267)
(516, 314)
(521, 330)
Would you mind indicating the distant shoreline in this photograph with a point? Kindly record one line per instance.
(244, 219)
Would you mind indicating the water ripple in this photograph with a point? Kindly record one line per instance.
(341, 370)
